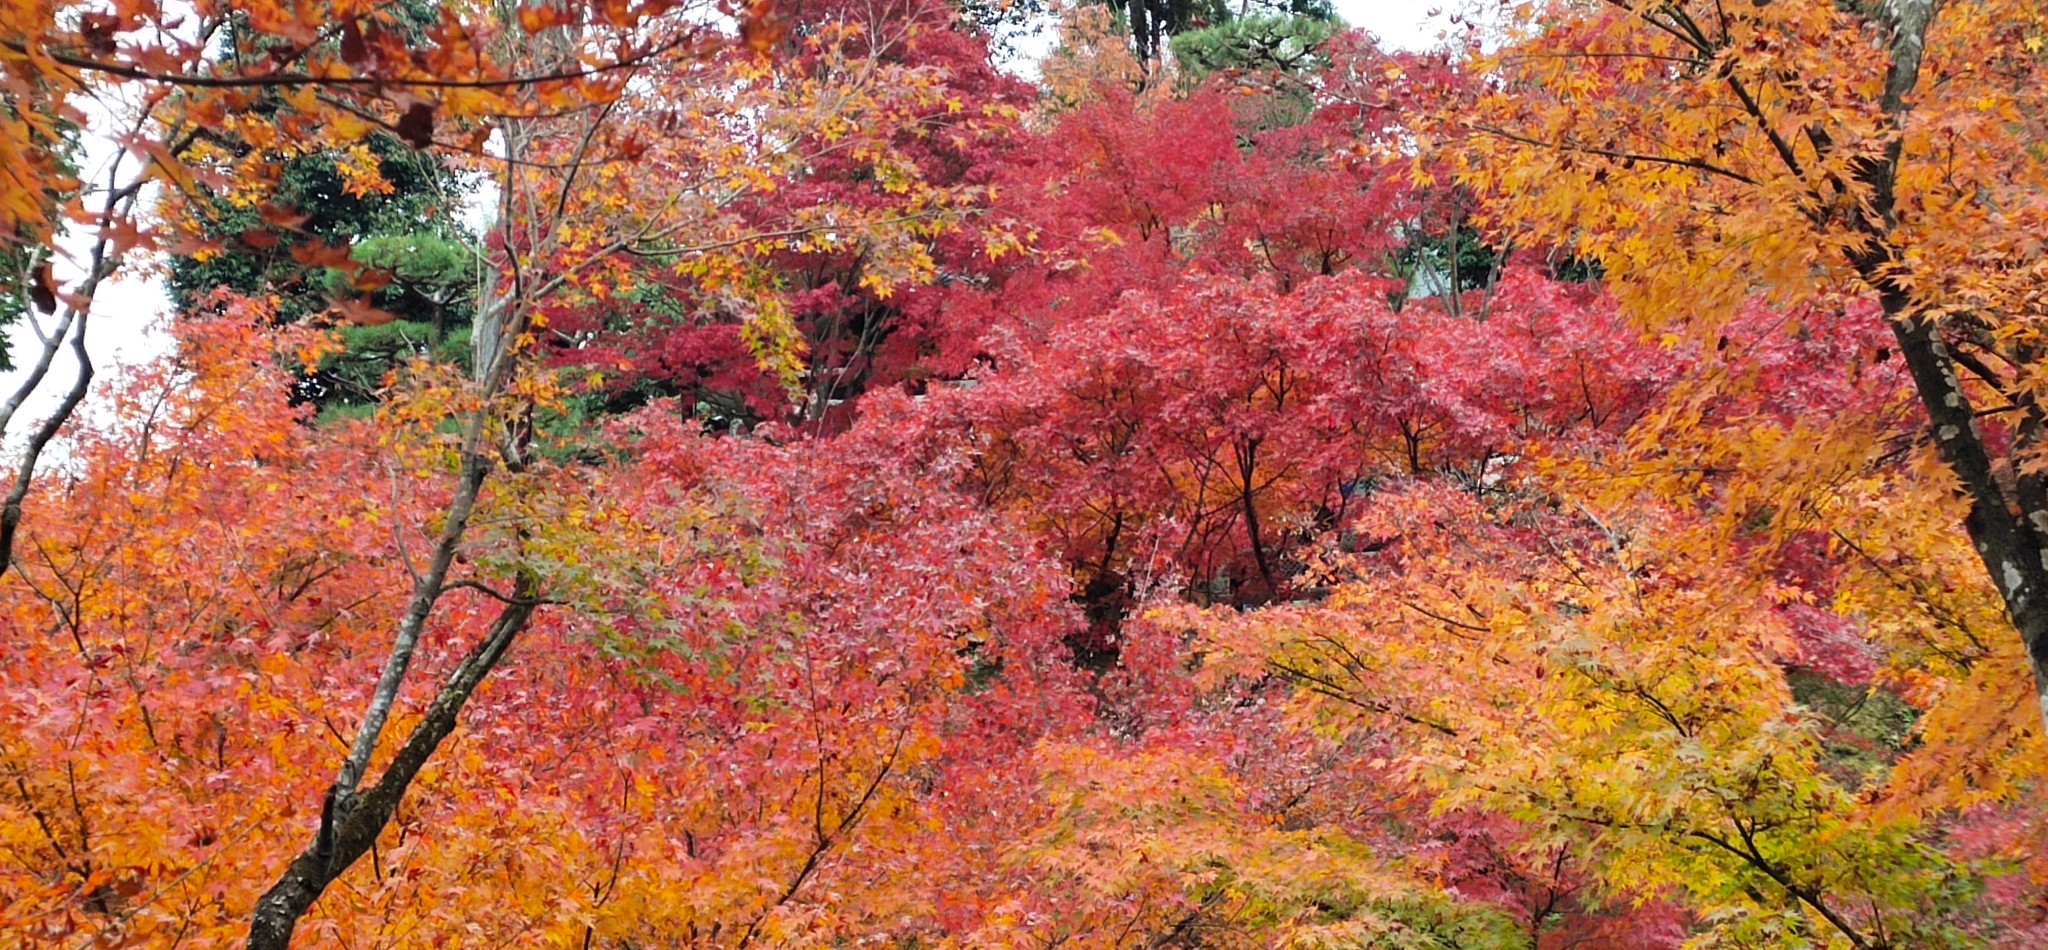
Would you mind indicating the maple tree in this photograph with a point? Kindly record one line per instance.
(1259, 490)
(888, 188)
(329, 76)
(545, 155)
(1796, 148)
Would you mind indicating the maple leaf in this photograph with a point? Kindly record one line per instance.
(416, 125)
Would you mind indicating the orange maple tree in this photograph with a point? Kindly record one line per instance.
(1706, 154)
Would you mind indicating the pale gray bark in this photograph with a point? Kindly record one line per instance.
(2007, 527)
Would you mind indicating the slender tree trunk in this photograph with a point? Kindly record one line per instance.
(350, 821)
(2005, 529)
(350, 824)
(1454, 289)
(69, 332)
(11, 508)
(1247, 470)
(2009, 529)
(1141, 29)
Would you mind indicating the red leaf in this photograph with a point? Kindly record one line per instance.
(98, 29)
(353, 50)
(281, 218)
(44, 289)
(416, 127)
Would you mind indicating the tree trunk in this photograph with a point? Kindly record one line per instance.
(1247, 469)
(2008, 529)
(350, 824)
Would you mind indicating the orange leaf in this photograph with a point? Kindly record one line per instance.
(372, 279)
(361, 314)
(325, 255)
(760, 28)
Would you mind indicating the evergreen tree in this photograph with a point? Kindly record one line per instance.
(397, 210)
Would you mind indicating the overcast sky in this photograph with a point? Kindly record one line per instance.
(126, 326)
(1400, 24)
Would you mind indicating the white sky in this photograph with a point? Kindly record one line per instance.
(127, 319)
(1399, 24)
(125, 327)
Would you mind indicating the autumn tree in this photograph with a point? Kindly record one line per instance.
(939, 122)
(329, 78)
(1703, 154)
(740, 740)
(548, 81)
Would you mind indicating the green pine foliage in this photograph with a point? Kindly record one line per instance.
(1281, 42)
